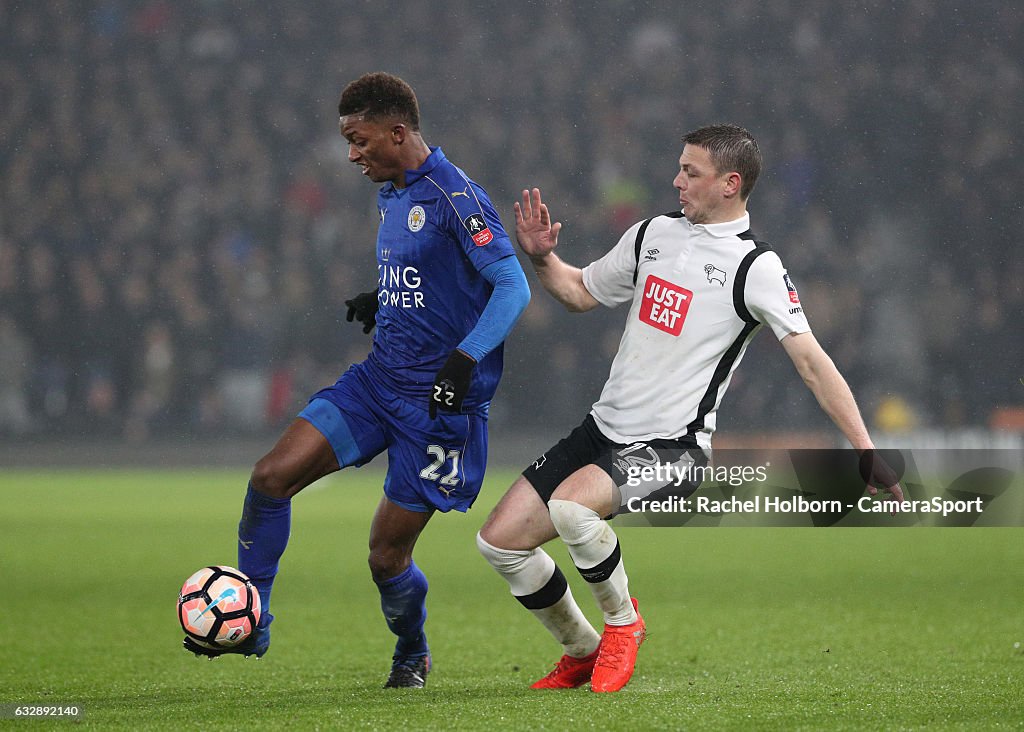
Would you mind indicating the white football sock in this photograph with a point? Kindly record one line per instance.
(594, 549)
(535, 580)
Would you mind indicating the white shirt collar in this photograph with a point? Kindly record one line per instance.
(726, 228)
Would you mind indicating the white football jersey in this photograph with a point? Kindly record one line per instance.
(699, 293)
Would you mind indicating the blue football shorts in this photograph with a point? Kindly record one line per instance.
(432, 463)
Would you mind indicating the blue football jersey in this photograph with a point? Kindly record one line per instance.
(435, 236)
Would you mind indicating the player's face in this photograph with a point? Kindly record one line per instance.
(701, 187)
(374, 145)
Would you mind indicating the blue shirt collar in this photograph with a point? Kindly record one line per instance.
(435, 158)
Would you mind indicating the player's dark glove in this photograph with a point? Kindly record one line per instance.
(451, 384)
(363, 308)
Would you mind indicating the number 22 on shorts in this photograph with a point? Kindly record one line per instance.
(441, 456)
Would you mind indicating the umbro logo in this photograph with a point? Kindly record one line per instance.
(651, 255)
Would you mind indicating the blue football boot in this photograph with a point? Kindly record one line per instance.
(255, 645)
(408, 672)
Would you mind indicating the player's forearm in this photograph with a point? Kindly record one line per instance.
(564, 282)
(508, 300)
(834, 395)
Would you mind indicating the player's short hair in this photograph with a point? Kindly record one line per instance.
(731, 148)
(380, 95)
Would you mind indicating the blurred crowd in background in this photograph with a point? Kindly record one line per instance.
(179, 226)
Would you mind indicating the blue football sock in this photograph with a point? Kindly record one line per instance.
(262, 537)
(402, 599)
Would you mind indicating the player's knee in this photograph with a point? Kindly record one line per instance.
(387, 562)
(506, 561)
(270, 479)
(573, 521)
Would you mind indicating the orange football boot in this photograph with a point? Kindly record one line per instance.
(616, 656)
(569, 672)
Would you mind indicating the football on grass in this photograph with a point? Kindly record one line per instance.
(218, 607)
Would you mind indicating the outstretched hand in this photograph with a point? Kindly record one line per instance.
(536, 235)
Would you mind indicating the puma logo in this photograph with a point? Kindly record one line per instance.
(463, 192)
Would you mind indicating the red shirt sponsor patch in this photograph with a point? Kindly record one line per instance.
(478, 229)
(793, 296)
(665, 305)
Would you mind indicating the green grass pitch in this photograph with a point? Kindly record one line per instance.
(749, 627)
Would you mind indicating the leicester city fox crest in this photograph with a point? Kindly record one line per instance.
(417, 218)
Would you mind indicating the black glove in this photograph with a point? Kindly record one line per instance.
(364, 309)
(451, 384)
